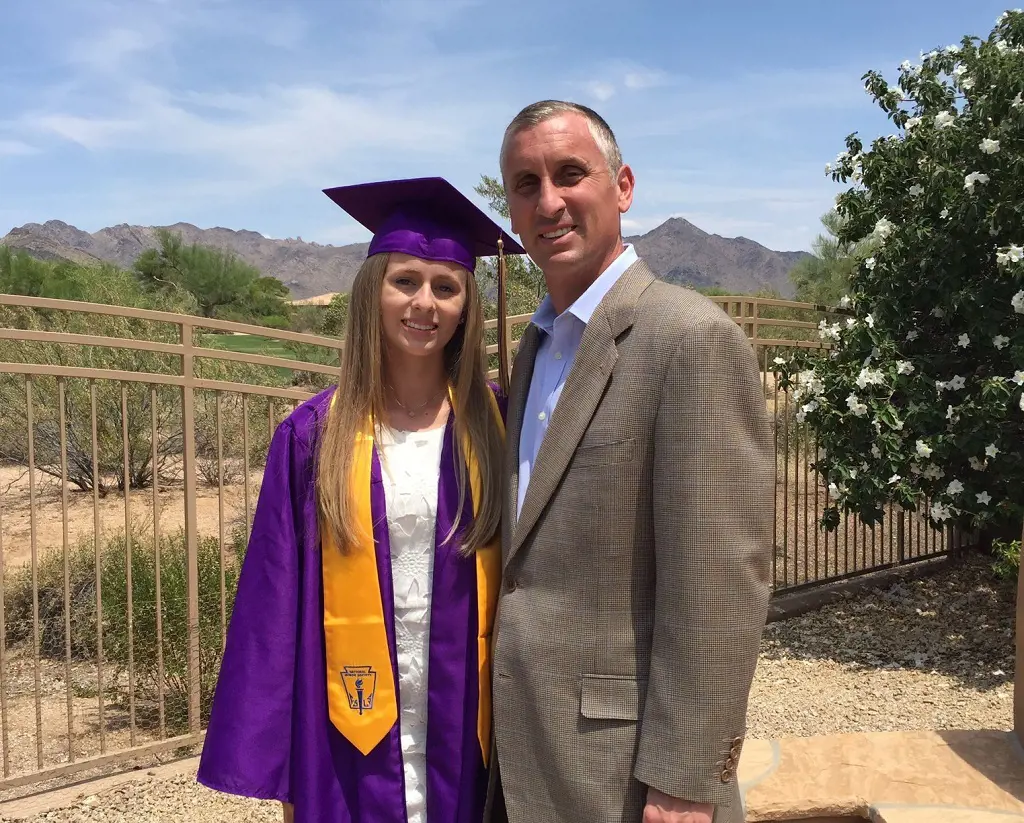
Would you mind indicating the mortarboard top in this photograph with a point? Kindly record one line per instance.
(426, 217)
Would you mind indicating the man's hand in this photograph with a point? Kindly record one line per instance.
(664, 809)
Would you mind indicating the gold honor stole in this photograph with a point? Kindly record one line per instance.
(362, 699)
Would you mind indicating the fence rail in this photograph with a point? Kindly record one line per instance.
(131, 455)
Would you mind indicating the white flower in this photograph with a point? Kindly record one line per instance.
(1022, 402)
(915, 190)
(944, 214)
(883, 228)
(972, 179)
(904, 367)
(939, 512)
(952, 49)
(779, 361)
(944, 119)
(813, 384)
(956, 383)
(940, 385)
(937, 312)
(869, 264)
(964, 341)
(977, 464)
(1000, 341)
(1002, 46)
(853, 402)
(876, 452)
(1018, 101)
(1018, 377)
(923, 449)
(950, 411)
(844, 302)
(1012, 254)
(984, 498)
(869, 377)
(912, 122)
(870, 321)
(991, 450)
(967, 83)
(851, 322)
(989, 146)
(1017, 301)
(806, 409)
(933, 472)
(954, 488)
(836, 491)
(912, 334)
(828, 332)
(828, 168)
(894, 479)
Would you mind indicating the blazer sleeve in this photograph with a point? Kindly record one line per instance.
(247, 750)
(714, 471)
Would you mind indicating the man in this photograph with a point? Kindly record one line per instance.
(637, 529)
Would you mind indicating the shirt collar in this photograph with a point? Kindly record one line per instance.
(583, 307)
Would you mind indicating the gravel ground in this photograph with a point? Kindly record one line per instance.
(931, 653)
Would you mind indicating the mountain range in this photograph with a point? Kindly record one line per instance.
(676, 251)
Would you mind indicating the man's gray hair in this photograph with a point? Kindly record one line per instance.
(537, 113)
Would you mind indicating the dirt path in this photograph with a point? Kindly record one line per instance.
(17, 521)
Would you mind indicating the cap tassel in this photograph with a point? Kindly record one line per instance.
(503, 362)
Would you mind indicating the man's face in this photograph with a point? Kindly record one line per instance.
(563, 201)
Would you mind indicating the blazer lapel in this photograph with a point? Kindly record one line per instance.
(580, 397)
(519, 387)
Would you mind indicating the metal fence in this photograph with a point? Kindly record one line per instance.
(131, 455)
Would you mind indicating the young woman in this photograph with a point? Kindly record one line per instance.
(355, 686)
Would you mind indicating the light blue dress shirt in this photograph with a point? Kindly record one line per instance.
(559, 340)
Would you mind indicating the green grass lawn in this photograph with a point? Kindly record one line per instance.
(248, 344)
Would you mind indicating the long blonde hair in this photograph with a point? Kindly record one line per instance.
(360, 398)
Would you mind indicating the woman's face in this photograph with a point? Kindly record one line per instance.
(421, 304)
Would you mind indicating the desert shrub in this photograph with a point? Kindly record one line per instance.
(1007, 559)
(140, 644)
(18, 602)
(174, 620)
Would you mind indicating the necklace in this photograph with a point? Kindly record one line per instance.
(418, 409)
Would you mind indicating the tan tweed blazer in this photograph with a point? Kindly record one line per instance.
(636, 581)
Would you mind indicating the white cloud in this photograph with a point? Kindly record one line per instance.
(642, 78)
(620, 75)
(601, 91)
(111, 49)
(274, 135)
(16, 148)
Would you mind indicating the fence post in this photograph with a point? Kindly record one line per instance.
(188, 414)
(901, 548)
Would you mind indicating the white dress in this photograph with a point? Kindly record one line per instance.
(410, 463)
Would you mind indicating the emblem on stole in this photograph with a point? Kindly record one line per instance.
(360, 683)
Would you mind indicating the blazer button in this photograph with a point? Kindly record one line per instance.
(510, 584)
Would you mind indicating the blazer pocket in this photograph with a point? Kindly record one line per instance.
(606, 454)
(610, 697)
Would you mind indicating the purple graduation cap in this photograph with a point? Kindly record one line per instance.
(427, 217)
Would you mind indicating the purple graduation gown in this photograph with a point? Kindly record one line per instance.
(270, 735)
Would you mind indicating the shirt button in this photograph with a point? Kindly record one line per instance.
(541, 416)
(558, 355)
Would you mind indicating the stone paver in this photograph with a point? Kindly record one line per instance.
(887, 777)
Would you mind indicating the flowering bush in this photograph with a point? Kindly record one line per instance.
(921, 391)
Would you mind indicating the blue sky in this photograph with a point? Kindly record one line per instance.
(237, 113)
